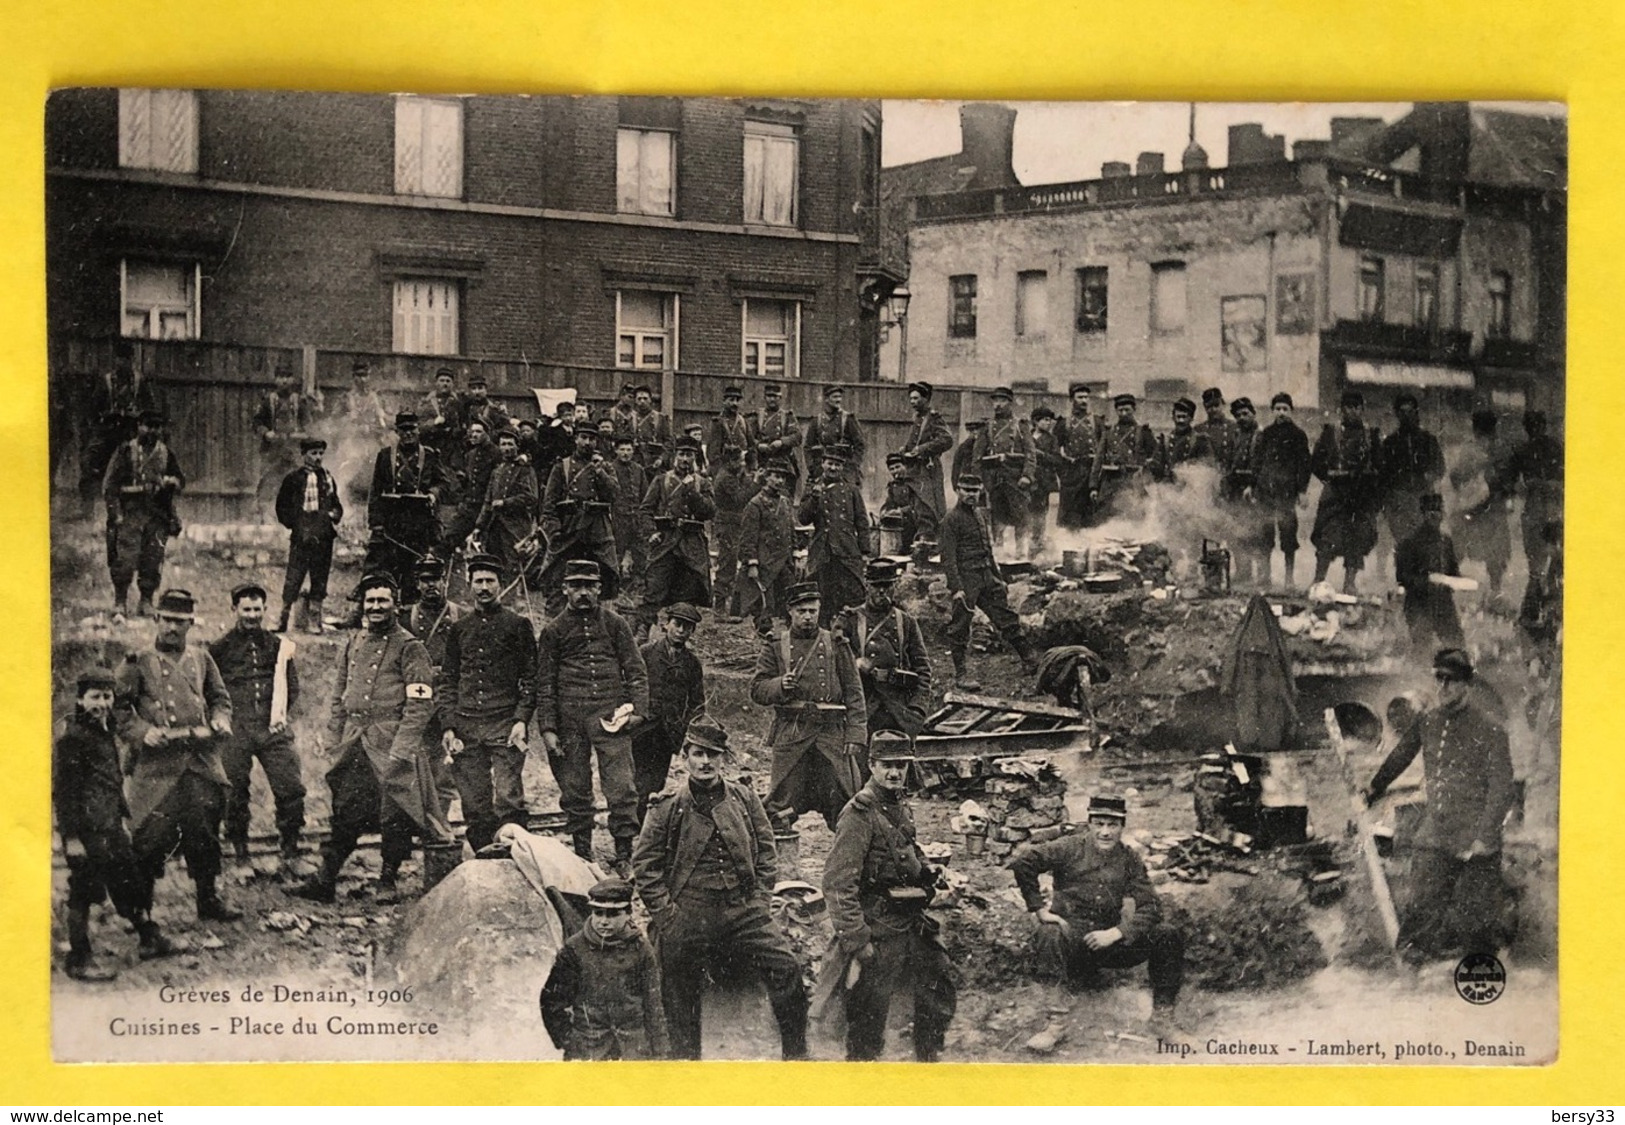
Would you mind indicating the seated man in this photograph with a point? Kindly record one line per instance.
(1102, 912)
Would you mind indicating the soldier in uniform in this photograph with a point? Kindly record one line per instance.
(283, 418)
(676, 696)
(1480, 527)
(361, 408)
(631, 538)
(928, 439)
(706, 867)
(1411, 463)
(476, 459)
(478, 404)
(623, 415)
(905, 502)
(1430, 609)
(890, 651)
(820, 716)
(1047, 466)
(259, 672)
(508, 516)
(1455, 902)
(1346, 459)
(964, 460)
(1238, 479)
(652, 431)
(139, 490)
(430, 619)
(403, 505)
(1004, 450)
(121, 398)
(974, 580)
(577, 518)
(1219, 431)
(381, 780)
(309, 506)
(729, 432)
(1075, 435)
(487, 688)
(173, 709)
(87, 790)
(1538, 465)
(602, 997)
(442, 414)
(834, 507)
(733, 489)
(1180, 445)
(776, 435)
(834, 429)
(678, 503)
(1122, 453)
(878, 885)
(766, 543)
(1283, 475)
(588, 671)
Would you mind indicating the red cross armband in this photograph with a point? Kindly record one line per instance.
(419, 691)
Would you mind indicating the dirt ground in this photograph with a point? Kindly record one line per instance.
(1153, 720)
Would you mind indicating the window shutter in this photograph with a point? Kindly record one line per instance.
(443, 148)
(628, 180)
(174, 130)
(408, 146)
(134, 128)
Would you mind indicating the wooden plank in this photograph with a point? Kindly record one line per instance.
(1007, 745)
(1026, 707)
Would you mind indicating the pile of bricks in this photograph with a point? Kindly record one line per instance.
(1025, 801)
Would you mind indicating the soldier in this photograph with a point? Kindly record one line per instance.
(1047, 465)
(1219, 431)
(928, 439)
(631, 483)
(974, 580)
(508, 516)
(487, 693)
(776, 435)
(891, 657)
(905, 502)
(476, 459)
(592, 693)
(1480, 528)
(1116, 480)
(623, 415)
(1538, 464)
(602, 997)
(308, 505)
(259, 673)
(678, 503)
(1455, 901)
(1283, 475)
(964, 461)
(402, 506)
(1075, 436)
(706, 868)
(478, 404)
(733, 490)
(834, 507)
(606, 438)
(1345, 458)
(652, 431)
(1004, 450)
(1102, 912)
(173, 709)
(577, 519)
(120, 399)
(729, 432)
(430, 619)
(766, 543)
(819, 720)
(283, 417)
(139, 489)
(87, 790)
(381, 780)
(1183, 444)
(878, 884)
(676, 696)
(530, 445)
(1411, 465)
(361, 409)
(555, 440)
(442, 414)
(1430, 609)
(1238, 477)
(837, 429)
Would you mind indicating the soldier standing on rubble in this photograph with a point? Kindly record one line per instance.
(475, 459)
(974, 580)
(879, 884)
(1346, 459)
(1122, 453)
(507, 518)
(1430, 609)
(1455, 901)
(1238, 492)
(1076, 434)
(706, 867)
(819, 722)
(734, 487)
(1412, 465)
(1102, 912)
(139, 490)
(308, 505)
(592, 693)
(890, 651)
(1283, 475)
(577, 516)
(776, 435)
(1004, 450)
(766, 542)
(676, 696)
(402, 506)
(928, 439)
(835, 428)
(678, 503)
(840, 522)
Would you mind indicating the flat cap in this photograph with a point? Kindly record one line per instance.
(923, 387)
(379, 579)
(248, 590)
(682, 611)
(96, 677)
(610, 894)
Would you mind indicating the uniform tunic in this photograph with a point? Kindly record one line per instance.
(1430, 610)
(472, 466)
(1076, 434)
(578, 521)
(1478, 523)
(826, 714)
(1009, 440)
(676, 695)
(602, 999)
(631, 536)
(403, 502)
(1283, 475)
(839, 543)
(508, 515)
(897, 689)
(440, 419)
(1538, 463)
(1178, 447)
(487, 683)
(733, 490)
(1412, 464)
(829, 429)
(967, 562)
(680, 562)
(928, 439)
(247, 659)
(140, 513)
(767, 542)
(776, 436)
(650, 430)
(729, 432)
(1345, 458)
(1122, 452)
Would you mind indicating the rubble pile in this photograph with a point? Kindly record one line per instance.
(1257, 938)
(1021, 800)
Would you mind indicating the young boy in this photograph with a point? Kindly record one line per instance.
(602, 999)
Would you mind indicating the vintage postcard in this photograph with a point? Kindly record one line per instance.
(702, 578)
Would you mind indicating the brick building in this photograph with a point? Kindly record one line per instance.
(1387, 257)
(698, 234)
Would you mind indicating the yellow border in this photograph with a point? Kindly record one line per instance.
(1559, 50)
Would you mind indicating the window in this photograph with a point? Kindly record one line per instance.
(160, 300)
(1092, 299)
(1500, 305)
(158, 129)
(646, 330)
(644, 172)
(1425, 310)
(772, 169)
(1371, 288)
(772, 334)
(962, 306)
(1032, 302)
(426, 316)
(429, 146)
(1168, 296)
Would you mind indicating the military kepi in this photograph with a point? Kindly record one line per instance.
(488, 563)
(881, 570)
(890, 746)
(802, 593)
(176, 603)
(580, 572)
(1453, 663)
(1111, 808)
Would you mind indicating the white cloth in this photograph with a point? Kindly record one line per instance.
(548, 862)
(313, 490)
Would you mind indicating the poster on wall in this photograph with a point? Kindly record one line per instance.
(1294, 303)
(1241, 324)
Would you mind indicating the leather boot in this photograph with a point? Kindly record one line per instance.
(282, 618)
(313, 617)
(623, 856)
(293, 865)
(582, 842)
(81, 964)
(143, 608)
(1289, 562)
(322, 886)
(388, 891)
(154, 944)
(961, 677)
(210, 908)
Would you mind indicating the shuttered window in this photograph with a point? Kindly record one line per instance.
(1168, 301)
(1032, 303)
(158, 129)
(643, 172)
(429, 146)
(426, 316)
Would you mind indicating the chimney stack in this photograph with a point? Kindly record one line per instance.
(987, 141)
(1148, 164)
(1115, 170)
(1348, 131)
(1311, 150)
(1249, 144)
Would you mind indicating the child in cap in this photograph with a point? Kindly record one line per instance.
(602, 999)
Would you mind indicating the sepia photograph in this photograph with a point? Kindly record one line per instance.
(598, 578)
